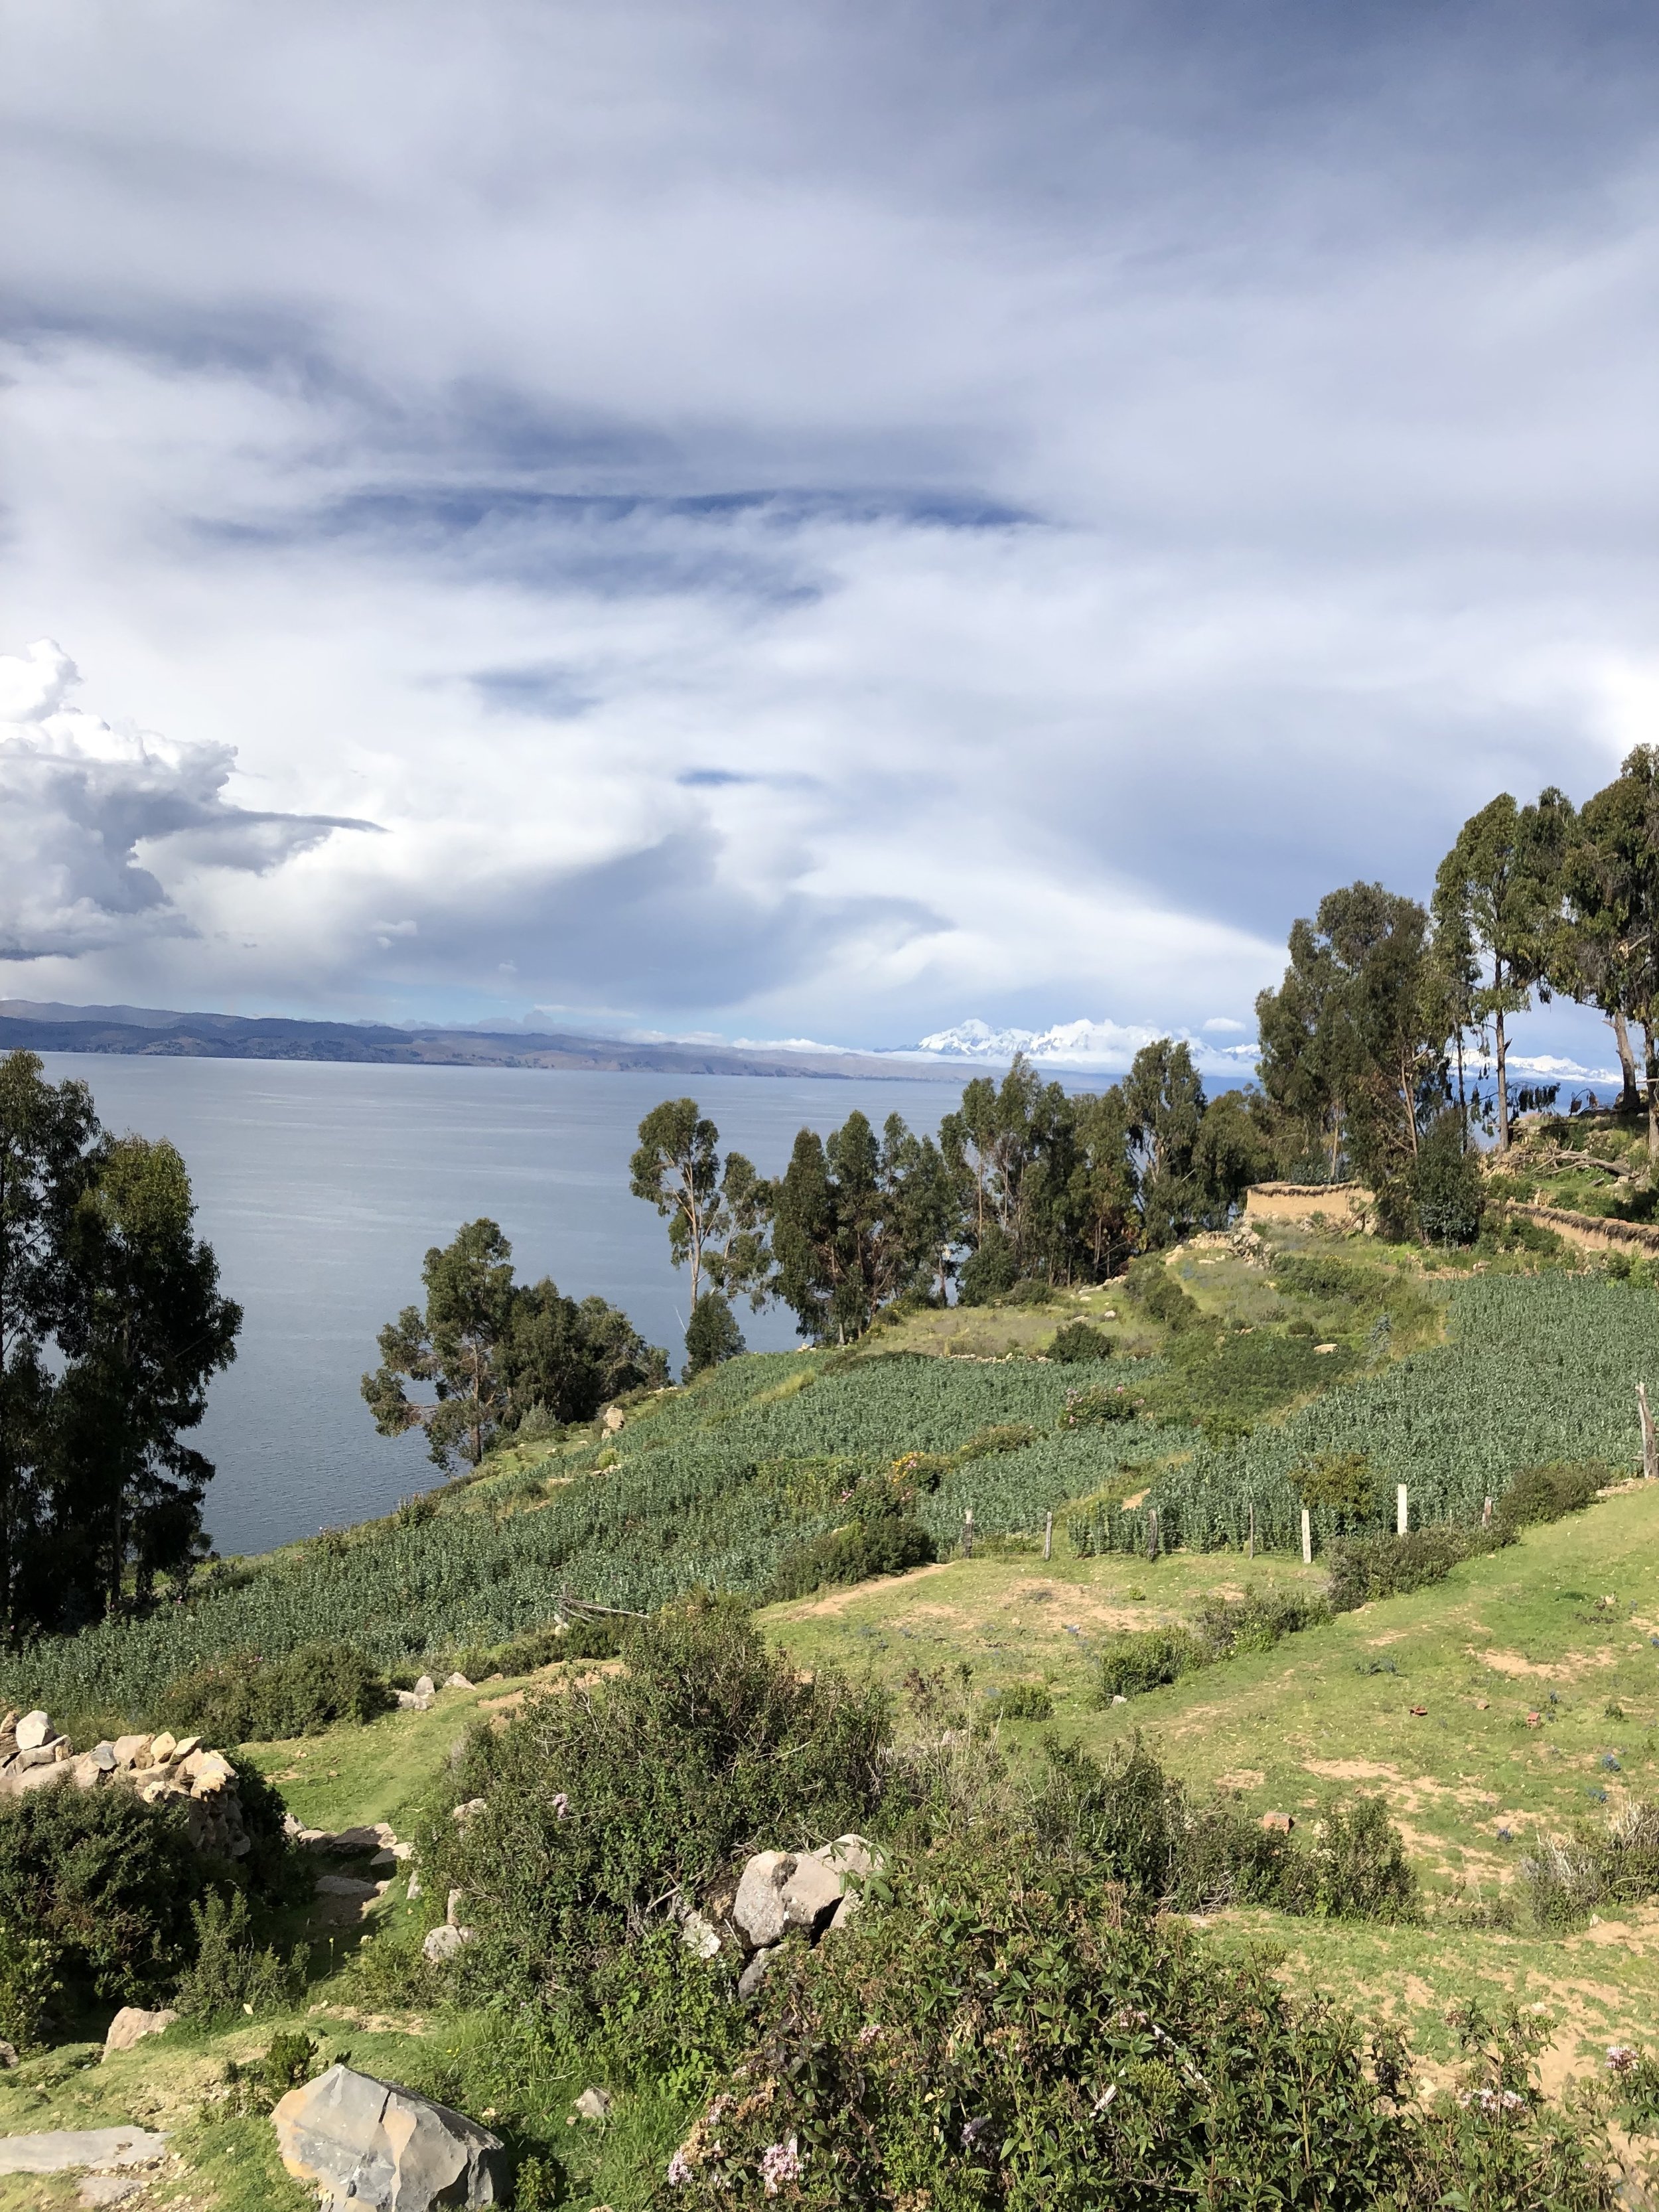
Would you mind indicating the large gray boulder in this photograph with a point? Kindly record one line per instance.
(132, 2024)
(372, 2147)
(781, 1890)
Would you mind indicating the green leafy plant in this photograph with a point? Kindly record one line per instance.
(230, 1974)
(246, 1699)
(1079, 1341)
(30, 1984)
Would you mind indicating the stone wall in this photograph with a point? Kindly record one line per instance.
(1345, 1205)
(1593, 1230)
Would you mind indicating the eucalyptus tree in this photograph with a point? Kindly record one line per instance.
(1610, 874)
(143, 1329)
(716, 1219)
(856, 1221)
(47, 1133)
(1497, 904)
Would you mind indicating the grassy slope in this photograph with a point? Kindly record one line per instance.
(1284, 1729)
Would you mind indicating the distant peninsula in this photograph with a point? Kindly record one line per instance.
(156, 1032)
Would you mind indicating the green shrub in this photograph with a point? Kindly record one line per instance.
(1004, 2036)
(600, 1809)
(1024, 1701)
(230, 1975)
(104, 1880)
(29, 1984)
(1344, 1481)
(864, 1549)
(1095, 1407)
(1359, 1867)
(1548, 1492)
(1032, 1291)
(1002, 1436)
(712, 1336)
(988, 1274)
(1146, 1659)
(1153, 1287)
(1617, 1863)
(253, 2086)
(247, 1699)
(1365, 1568)
(1077, 1341)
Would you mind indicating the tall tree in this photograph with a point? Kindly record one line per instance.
(1105, 1188)
(47, 1133)
(456, 1343)
(144, 1330)
(716, 1220)
(1356, 1037)
(1496, 905)
(1164, 1094)
(1611, 872)
(855, 1223)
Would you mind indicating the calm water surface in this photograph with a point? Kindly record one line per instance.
(320, 1188)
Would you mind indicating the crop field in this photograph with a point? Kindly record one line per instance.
(1535, 1368)
(709, 1487)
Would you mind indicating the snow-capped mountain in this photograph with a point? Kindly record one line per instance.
(1107, 1045)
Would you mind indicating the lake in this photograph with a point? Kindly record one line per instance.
(321, 1186)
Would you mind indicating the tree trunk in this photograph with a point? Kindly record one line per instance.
(1462, 1101)
(1628, 1101)
(1651, 1054)
(1503, 1082)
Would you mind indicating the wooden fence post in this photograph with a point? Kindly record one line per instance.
(1402, 1513)
(1048, 1536)
(1649, 1447)
(1486, 1514)
(1307, 1538)
(1249, 1549)
(967, 1533)
(1152, 1531)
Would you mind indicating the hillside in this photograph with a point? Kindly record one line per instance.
(1536, 1666)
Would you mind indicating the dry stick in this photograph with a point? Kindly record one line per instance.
(1307, 1538)
(1402, 1517)
(1650, 1446)
(1048, 1536)
(1249, 1552)
(967, 1533)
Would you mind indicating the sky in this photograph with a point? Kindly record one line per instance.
(823, 520)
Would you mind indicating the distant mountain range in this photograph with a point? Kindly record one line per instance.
(158, 1032)
(1105, 1047)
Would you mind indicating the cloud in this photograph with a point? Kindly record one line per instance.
(802, 522)
(78, 799)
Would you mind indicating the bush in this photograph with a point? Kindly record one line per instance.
(1077, 1341)
(247, 1699)
(864, 1549)
(1446, 1188)
(602, 1807)
(1566, 1879)
(1002, 1436)
(1359, 1868)
(107, 1881)
(28, 1985)
(712, 1336)
(1148, 1658)
(1364, 1569)
(1024, 1701)
(1094, 1408)
(1005, 2036)
(988, 1274)
(1547, 1493)
(1032, 1291)
(1152, 1286)
(229, 1975)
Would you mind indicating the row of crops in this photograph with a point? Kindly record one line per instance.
(1536, 1369)
(712, 1486)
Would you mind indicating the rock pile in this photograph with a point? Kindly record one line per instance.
(162, 1769)
(776, 1892)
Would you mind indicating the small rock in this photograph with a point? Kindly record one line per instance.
(426, 1687)
(758, 1912)
(8, 2056)
(1420, 1712)
(457, 1682)
(132, 2024)
(185, 1746)
(1120, 1699)
(463, 1813)
(162, 1747)
(407, 1700)
(1324, 1347)
(366, 2144)
(613, 1421)
(103, 1757)
(750, 1979)
(32, 1730)
(453, 1907)
(1279, 1823)
(699, 1937)
(37, 1755)
(593, 2103)
(1482, 1704)
(346, 1885)
(443, 1943)
(384, 1858)
(9, 1725)
(414, 1889)
(108, 2189)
